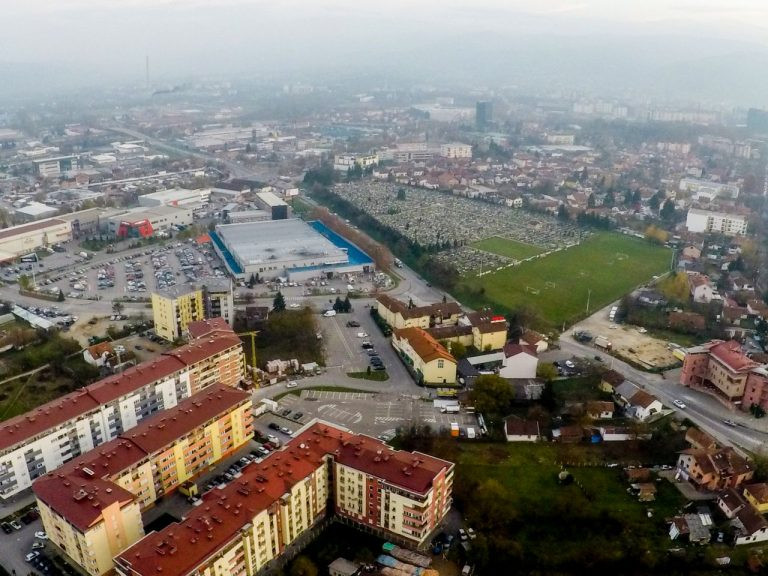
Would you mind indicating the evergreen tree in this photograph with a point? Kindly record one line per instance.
(278, 304)
(347, 305)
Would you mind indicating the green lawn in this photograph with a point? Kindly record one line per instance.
(557, 286)
(561, 529)
(507, 247)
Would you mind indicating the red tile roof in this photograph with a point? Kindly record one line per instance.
(202, 328)
(730, 354)
(513, 349)
(80, 501)
(55, 413)
(183, 546)
(91, 471)
(423, 344)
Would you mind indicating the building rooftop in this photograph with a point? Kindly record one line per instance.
(25, 426)
(270, 199)
(91, 470)
(730, 354)
(31, 227)
(423, 344)
(80, 500)
(439, 310)
(276, 241)
(202, 328)
(183, 546)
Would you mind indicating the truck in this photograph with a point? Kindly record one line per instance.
(603, 343)
(471, 433)
(450, 409)
(455, 429)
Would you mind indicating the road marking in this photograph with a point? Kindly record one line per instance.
(343, 339)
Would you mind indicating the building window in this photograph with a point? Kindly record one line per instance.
(440, 363)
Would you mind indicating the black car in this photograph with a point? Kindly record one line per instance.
(379, 367)
(353, 324)
(367, 345)
(6, 527)
(296, 416)
(275, 426)
(372, 352)
(375, 360)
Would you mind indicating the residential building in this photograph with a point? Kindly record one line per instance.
(481, 330)
(425, 357)
(706, 221)
(638, 403)
(730, 502)
(757, 496)
(174, 308)
(702, 290)
(456, 150)
(707, 190)
(610, 380)
(401, 315)
(520, 361)
(750, 527)
(244, 527)
(219, 299)
(346, 162)
(532, 338)
(599, 410)
(519, 430)
(91, 507)
(45, 438)
(724, 370)
(713, 469)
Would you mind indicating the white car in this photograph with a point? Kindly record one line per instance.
(679, 403)
(273, 439)
(31, 556)
(41, 535)
(569, 364)
(293, 305)
(362, 335)
(329, 313)
(291, 384)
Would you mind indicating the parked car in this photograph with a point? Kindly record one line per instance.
(362, 335)
(291, 384)
(273, 438)
(285, 430)
(7, 528)
(41, 535)
(353, 324)
(31, 556)
(285, 412)
(367, 345)
(679, 403)
(15, 525)
(38, 546)
(274, 426)
(729, 422)
(298, 415)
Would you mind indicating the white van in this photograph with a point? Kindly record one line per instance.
(329, 313)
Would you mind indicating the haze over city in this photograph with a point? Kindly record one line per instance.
(405, 288)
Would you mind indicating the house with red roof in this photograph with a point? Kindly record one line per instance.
(520, 361)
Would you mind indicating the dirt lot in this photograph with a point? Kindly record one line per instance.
(628, 342)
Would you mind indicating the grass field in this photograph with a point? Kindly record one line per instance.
(507, 247)
(557, 527)
(557, 287)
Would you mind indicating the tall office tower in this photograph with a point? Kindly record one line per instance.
(483, 114)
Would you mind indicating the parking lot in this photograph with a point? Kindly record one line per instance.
(368, 413)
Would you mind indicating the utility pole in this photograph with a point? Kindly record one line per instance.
(589, 295)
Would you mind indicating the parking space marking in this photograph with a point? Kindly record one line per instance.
(332, 412)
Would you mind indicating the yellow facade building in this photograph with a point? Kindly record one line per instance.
(403, 496)
(426, 358)
(91, 507)
(174, 309)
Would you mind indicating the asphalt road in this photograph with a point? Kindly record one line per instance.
(706, 412)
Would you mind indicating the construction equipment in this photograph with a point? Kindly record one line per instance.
(253, 335)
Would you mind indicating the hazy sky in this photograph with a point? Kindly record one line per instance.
(111, 37)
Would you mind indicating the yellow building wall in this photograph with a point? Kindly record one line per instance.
(434, 374)
(173, 315)
(93, 550)
(139, 482)
(762, 508)
(490, 341)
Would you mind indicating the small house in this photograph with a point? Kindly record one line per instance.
(599, 410)
(757, 496)
(609, 380)
(750, 526)
(519, 430)
(730, 502)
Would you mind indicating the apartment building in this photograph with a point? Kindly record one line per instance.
(345, 162)
(716, 469)
(481, 330)
(401, 315)
(175, 308)
(45, 438)
(91, 507)
(456, 150)
(323, 470)
(707, 221)
(723, 369)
